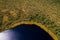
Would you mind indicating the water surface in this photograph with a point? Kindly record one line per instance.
(25, 32)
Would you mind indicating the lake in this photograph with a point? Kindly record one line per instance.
(25, 32)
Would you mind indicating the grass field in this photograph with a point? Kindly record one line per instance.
(46, 12)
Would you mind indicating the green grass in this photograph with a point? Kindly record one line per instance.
(46, 12)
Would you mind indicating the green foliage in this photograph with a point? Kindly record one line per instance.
(1, 19)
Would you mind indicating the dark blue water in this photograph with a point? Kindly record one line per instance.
(28, 32)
